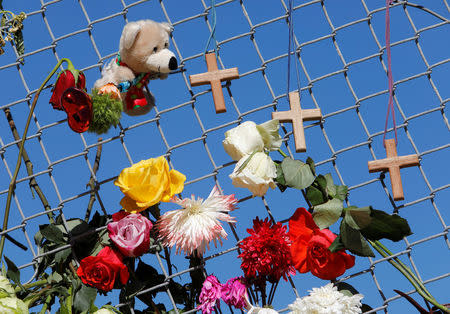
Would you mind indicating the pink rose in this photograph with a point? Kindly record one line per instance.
(130, 233)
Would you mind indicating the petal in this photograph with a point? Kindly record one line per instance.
(130, 205)
(301, 223)
(299, 250)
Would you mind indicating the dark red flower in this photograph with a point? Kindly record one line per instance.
(266, 254)
(101, 271)
(310, 248)
(78, 106)
(66, 79)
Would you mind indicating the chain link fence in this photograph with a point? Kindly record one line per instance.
(343, 71)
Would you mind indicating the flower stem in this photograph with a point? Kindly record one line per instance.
(46, 304)
(406, 268)
(31, 285)
(12, 185)
(420, 288)
(282, 153)
(69, 300)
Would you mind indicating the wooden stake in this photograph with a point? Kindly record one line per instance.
(393, 164)
(296, 116)
(214, 76)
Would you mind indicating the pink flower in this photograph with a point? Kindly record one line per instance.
(130, 233)
(234, 292)
(211, 292)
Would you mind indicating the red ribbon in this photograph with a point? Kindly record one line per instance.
(390, 80)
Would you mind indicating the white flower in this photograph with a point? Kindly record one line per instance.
(10, 305)
(243, 140)
(248, 138)
(269, 133)
(256, 175)
(5, 286)
(327, 300)
(261, 310)
(191, 228)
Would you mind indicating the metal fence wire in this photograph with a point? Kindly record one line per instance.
(64, 161)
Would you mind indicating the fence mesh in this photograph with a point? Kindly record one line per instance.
(339, 52)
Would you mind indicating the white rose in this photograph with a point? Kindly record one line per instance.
(5, 286)
(269, 133)
(243, 140)
(104, 311)
(257, 175)
(13, 306)
(261, 310)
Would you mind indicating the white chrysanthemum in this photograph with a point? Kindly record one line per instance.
(261, 310)
(193, 227)
(327, 300)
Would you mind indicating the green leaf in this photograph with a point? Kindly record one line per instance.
(331, 187)
(61, 256)
(38, 238)
(346, 288)
(322, 184)
(52, 233)
(358, 218)
(98, 220)
(341, 192)
(296, 173)
(354, 241)
(280, 180)
(54, 278)
(314, 196)
(326, 214)
(13, 272)
(84, 298)
(311, 165)
(385, 226)
(337, 245)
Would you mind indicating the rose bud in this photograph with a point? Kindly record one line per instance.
(130, 233)
(78, 106)
(66, 79)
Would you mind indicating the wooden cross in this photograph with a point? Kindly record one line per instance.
(296, 116)
(214, 76)
(393, 163)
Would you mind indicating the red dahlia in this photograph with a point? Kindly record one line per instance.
(266, 254)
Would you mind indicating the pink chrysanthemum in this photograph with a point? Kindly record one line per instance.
(193, 227)
(210, 294)
(266, 254)
(234, 292)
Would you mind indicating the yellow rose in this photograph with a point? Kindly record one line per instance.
(147, 183)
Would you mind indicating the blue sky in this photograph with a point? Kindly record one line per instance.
(253, 34)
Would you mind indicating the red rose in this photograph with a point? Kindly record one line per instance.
(310, 245)
(66, 79)
(78, 106)
(101, 271)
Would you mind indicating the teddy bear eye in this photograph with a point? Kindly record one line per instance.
(155, 49)
(166, 45)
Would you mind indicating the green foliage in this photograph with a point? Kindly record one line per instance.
(297, 174)
(358, 218)
(84, 298)
(328, 213)
(107, 112)
(385, 226)
(354, 241)
(13, 272)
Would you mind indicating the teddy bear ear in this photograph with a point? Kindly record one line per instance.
(129, 33)
(167, 27)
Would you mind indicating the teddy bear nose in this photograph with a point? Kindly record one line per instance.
(173, 64)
